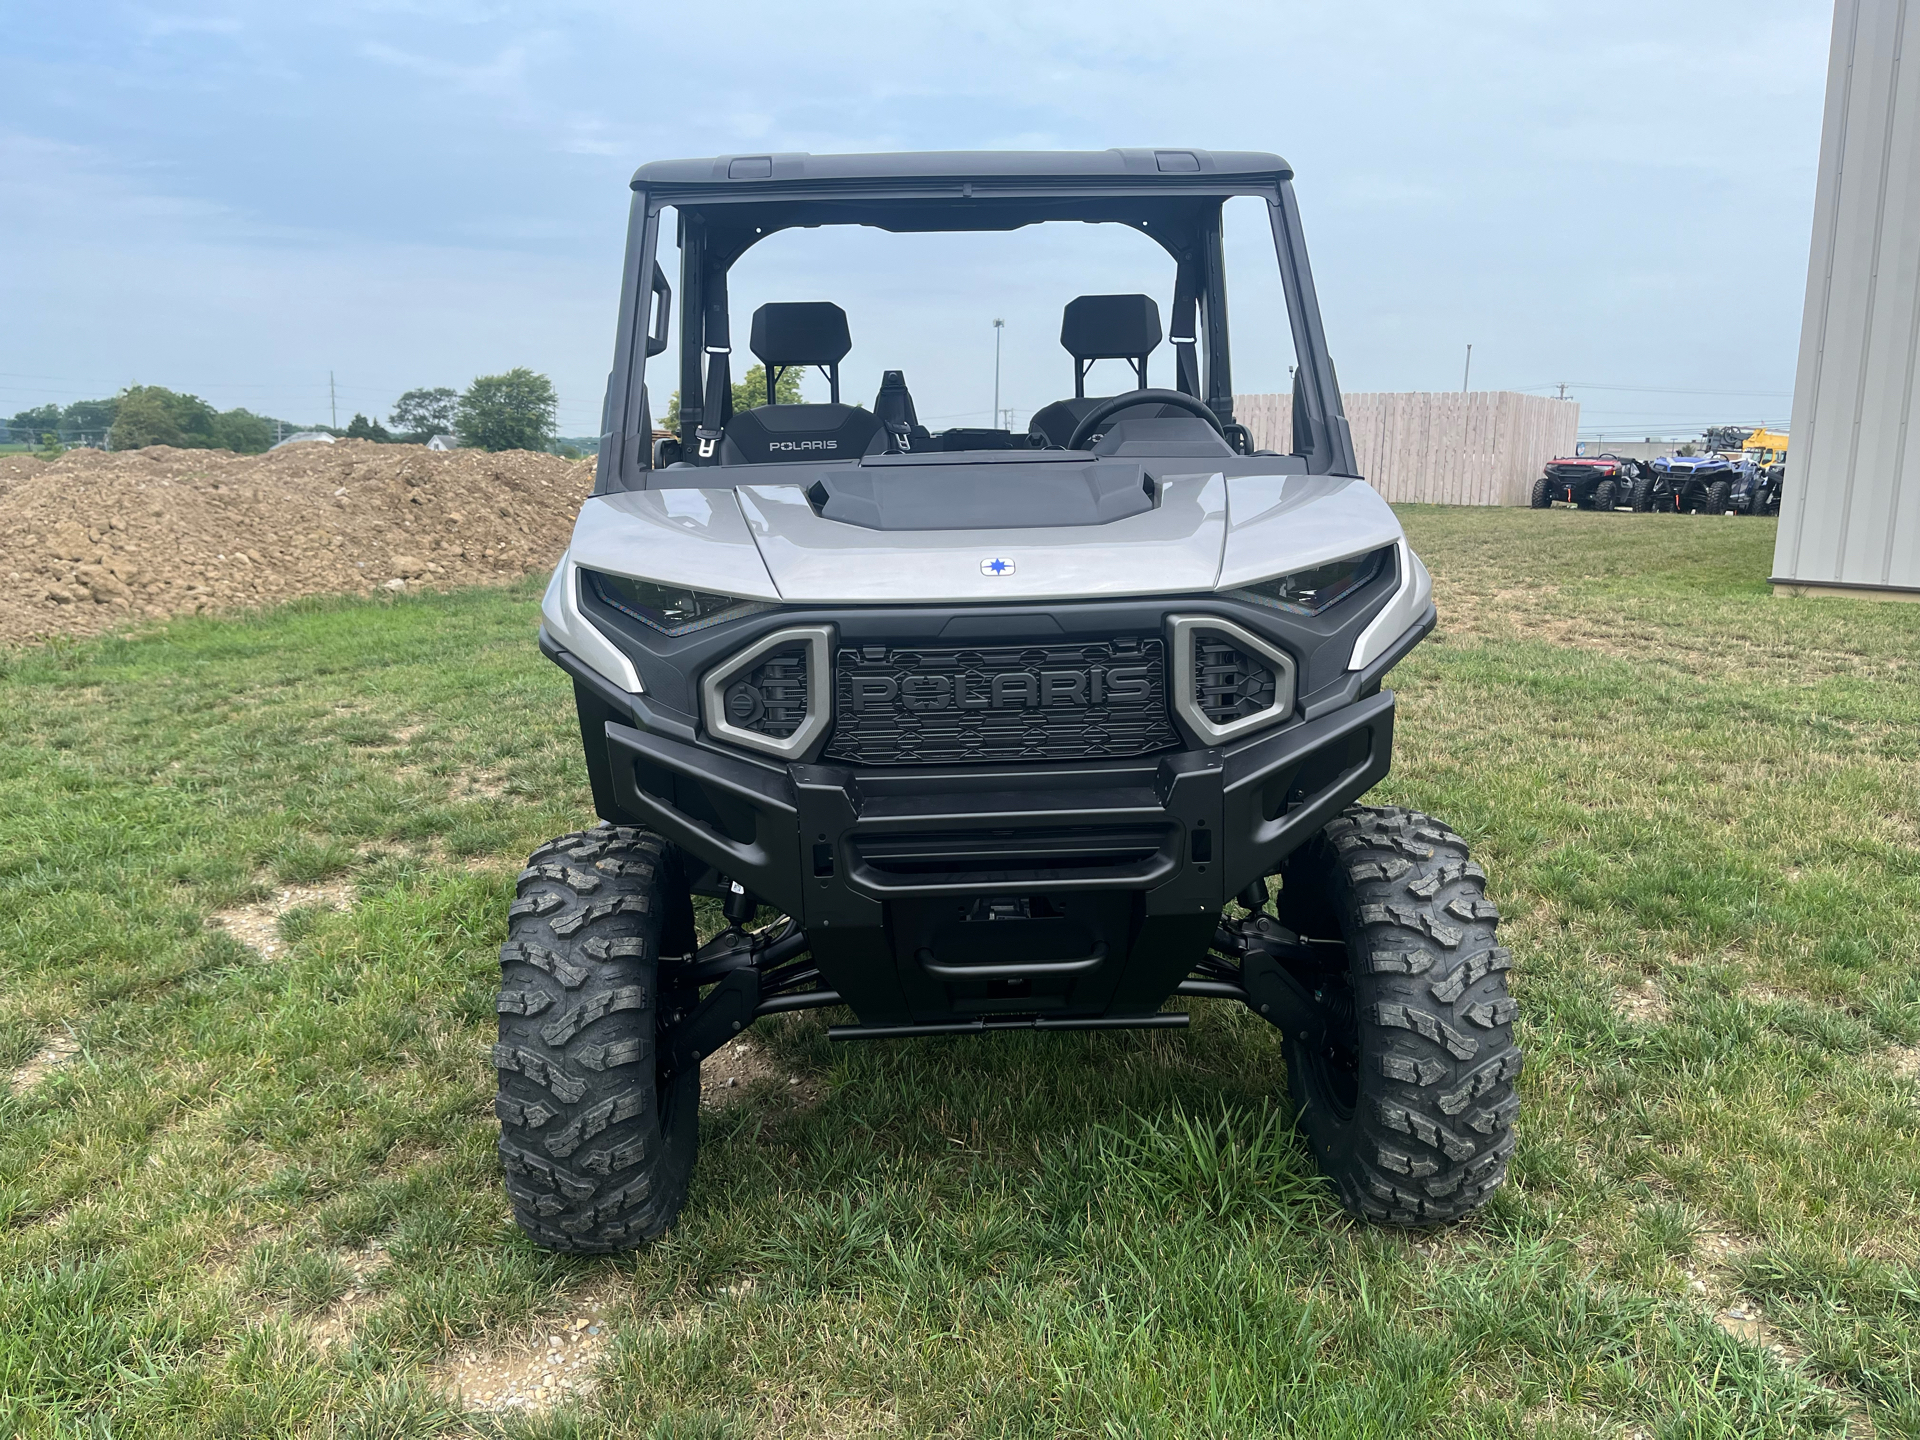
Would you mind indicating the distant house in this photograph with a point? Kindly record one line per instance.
(305, 437)
(443, 442)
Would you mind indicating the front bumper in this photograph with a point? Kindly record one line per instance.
(1112, 874)
(1578, 485)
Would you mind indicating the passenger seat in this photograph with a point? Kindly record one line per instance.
(812, 332)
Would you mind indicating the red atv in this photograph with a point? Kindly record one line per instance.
(1595, 482)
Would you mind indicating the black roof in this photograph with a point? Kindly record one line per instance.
(1000, 170)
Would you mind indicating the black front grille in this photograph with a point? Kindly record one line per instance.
(982, 704)
(1228, 683)
(771, 698)
(1577, 474)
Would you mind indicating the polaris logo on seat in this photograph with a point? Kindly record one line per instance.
(803, 445)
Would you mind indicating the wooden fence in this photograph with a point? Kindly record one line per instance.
(1483, 448)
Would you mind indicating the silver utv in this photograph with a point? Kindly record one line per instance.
(1042, 729)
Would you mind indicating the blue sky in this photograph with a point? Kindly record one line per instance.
(236, 198)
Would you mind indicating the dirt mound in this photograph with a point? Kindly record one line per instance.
(92, 540)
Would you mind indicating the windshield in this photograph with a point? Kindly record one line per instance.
(823, 334)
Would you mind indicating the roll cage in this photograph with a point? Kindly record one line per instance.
(727, 205)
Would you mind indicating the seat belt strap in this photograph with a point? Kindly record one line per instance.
(713, 418)
(1185, 337)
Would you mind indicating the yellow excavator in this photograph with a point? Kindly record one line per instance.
(1767, 447)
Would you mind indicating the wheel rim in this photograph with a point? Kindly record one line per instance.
(678, 1120)
(1333, 1069)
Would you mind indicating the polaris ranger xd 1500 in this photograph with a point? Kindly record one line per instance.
(1045, 731)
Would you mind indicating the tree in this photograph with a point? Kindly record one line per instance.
(749, 392)
(419, 415)
(88, 421)
(28, 426)
(146, 416)
(154, 415)
(361, 428)
(244, 432)
(514, 411)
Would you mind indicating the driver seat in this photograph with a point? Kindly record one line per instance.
(1100, 327)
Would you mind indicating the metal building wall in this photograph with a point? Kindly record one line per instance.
(1851, 514)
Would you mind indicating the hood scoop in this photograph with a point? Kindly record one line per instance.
(984, 497)
(1172, 547)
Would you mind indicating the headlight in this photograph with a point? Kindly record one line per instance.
(670, 609)
(1308, 592)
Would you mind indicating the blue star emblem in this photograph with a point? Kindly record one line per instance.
(996, 566)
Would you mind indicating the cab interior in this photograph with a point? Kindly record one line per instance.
(1104, 337)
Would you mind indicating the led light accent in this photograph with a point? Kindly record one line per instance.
(1211, 657)
(736, 694)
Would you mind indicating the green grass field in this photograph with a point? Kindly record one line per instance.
(255, 1194)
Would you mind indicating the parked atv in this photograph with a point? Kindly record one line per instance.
(1764, 496)
(1014, 732)
(1591, 482)
(1709, 484)
(1767, 449)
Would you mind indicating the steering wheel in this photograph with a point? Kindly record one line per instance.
(1097, 418)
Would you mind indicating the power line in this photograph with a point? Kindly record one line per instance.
(1653, 414)
(1652, 389)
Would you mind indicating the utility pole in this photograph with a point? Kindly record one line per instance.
(333, 403)
(998, 326)
(1467, 373)
(1563, 389)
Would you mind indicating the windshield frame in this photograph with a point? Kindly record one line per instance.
(718, 223)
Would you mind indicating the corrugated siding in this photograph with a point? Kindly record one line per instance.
(1851, 510)
(1483, 448)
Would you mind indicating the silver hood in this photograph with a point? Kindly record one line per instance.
(1207, 532)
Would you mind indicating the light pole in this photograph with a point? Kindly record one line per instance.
(998, 326)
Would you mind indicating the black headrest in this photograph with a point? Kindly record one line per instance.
(801, 332)
(1107, 327)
